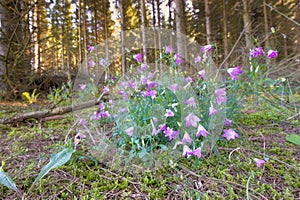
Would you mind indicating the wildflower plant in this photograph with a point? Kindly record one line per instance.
(258, 57)
(152, 117)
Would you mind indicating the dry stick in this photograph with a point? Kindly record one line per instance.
(236, 149)
(291, 93)
(231, 51)
(72, 127)
(221, 181)
(295, 115)
(262, 154)
(272, 8)
(235, 44)
(50, 112)
(117, 175)
(90, 134)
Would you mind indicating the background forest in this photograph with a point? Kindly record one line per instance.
(44, 41)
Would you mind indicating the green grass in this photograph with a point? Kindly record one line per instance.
(229, 172)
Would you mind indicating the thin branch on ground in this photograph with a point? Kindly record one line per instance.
(222, 181)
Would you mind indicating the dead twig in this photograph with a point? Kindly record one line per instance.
(222, 181)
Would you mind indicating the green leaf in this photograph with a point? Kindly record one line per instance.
(293, 138)
(142, 153)
(55, 161)
(163, 147)
(7, 181)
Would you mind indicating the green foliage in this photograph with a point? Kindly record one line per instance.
(56, 160)
(62, 95)
(30, 98)
(6, 180)
(293, 138)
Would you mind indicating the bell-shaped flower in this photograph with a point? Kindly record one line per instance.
(169, 49)
(173, 87)
(191, 102)
(259, 162)
(192, 119)
(82, 86)
(227, 122)
(138, 57)
(212, 111)
(169, 132)
(150, 93)
(255, 52)
(272, 54)
(198, 59)
(186, 138)
(234, 72)
(169, 113)
(196, 152)
(221, 96)
(186, 151)
(230, 134)
(201, 131)
(129, 131)
(202, 74)
(90, 48)
(178, 59)
(206, 49)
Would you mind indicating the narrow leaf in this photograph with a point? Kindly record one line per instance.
(55, 161)
(293, 138)
(7, 181)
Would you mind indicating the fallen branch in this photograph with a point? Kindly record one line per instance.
(48, 113)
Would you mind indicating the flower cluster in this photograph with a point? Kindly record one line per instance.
(180, 121)
(258, 51)
(157, 112)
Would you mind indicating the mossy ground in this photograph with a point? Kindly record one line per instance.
(228, 173)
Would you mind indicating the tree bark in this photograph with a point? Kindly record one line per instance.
(15, 47)
(159, 34)
(3, 48)
(247, 25)
(143, 19)
(35, 28)
(154, 36)
(123, 61)
(85, 38)
(225, 34)
(266, 25)
(170, 21)
(297, 39)
(181, 31)
(48, 113)
(207, 22)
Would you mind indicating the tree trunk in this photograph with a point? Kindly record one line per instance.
(154, 36)
(3, 48)
(207, 22)
(85, 38)
(35, 28)
(181, 31)
(159, 34)
(266, 25)
(14, 45)
(106, 44)
(79, 33)
(247, 25)
(170, 21)
(143, 19)
(297, 39)
(225, 34)
(122, 10)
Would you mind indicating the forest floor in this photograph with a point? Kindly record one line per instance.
(228, 173)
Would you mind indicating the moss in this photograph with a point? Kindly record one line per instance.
(223, 173)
